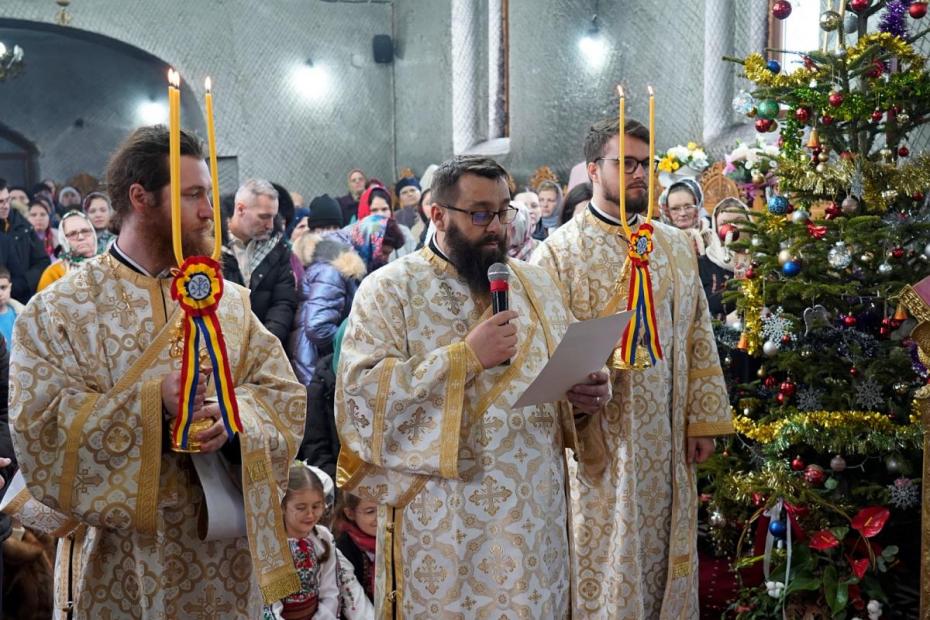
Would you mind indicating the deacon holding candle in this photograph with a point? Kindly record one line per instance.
(634, 498)
(108, 376)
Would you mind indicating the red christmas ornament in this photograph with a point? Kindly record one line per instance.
(781, 9)
(849, 320)
(876, 70)
(750, 274)
(814, 475)
(916, 10)
(877, 115)
(787, 388)
(780, 398)
(826, 119)
(903, 151)
(835, 99)
(769, 382)
(758, 500)
(786, 339)
(897, 252)
(764, 124)
(809, 63)
(831, 212)
(858, 5)
(918, 197)
(727, 229)
(853, 372)
(797, 463)
(802, 114)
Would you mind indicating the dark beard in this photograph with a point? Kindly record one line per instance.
(635, 204)
(157, 221)
(472, 261)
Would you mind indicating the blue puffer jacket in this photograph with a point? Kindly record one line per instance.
(324, 294)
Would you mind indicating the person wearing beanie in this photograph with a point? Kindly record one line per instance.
(408, 195)
(325, 215)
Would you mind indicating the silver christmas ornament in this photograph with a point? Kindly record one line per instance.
(770, 348)
(716, 519)
(821, 168)
(784, 256)
(839, 256)
(885, 269)
(757, 241)
(830, 20)
(903, 117)
(800, 216)
(850, 23)
(893, 464)
(849, 205)
(837, 463)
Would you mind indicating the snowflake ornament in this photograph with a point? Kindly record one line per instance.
(809, 399)
(869, 395)
(775, 326)
(905, 493)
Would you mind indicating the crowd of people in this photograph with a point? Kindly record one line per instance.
(314, 278)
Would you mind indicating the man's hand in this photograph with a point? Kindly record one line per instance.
(494, 341)
(4, 463)
(171, 392)
(590, 397)
(700, 449)
(214, 437)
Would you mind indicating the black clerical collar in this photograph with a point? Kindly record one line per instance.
(607, 218)
(434, 248)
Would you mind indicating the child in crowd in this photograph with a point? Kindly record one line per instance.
(358, 527)
(313, 550)
(8, 307)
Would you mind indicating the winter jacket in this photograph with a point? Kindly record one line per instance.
(320, 445)
(325, 297)
(30, 256)
(271, 287)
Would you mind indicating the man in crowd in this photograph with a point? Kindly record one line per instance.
(473, 515)
(258, 258)
(28, 258)
(635, 513)
(408, 195)
(349, 202)
(95, 386)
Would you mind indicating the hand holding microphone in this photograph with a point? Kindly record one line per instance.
(494, 341)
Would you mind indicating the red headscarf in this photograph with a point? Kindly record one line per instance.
(364, 201)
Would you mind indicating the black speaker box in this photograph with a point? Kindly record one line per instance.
(383, 48)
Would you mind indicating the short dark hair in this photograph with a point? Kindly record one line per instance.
(444, 188)
(143, 158)
(380, 192)
(4, 272)
(600, 133)
(3, 184)
(578, 194)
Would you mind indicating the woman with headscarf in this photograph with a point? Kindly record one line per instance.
(681, 204)
(550, 202)
(376, 200)
(78, 242)
(100, 212)
(375, 238)
(717, 262)
(520, 241)
(69, 199)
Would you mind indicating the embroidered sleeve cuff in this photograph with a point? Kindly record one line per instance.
(710, 429)
(473, 364)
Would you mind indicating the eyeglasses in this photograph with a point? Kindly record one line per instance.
(629, 163)
(76, 234)
(484, 218)
(682, 209)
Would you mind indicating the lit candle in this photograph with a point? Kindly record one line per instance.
(174, 159)
(652, 151)
(621, 183)
(214, 174)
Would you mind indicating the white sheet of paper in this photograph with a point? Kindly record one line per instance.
(223, 515)
(585, 349)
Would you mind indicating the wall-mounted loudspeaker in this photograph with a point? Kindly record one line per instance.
(383, 48)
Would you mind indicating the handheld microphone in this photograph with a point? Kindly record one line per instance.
(498, 275)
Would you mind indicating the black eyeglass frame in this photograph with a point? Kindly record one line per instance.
(510, 213)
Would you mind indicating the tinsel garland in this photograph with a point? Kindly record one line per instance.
(890, 43)
(894, 19)
(750, 304)
(878, 180)
(757, 71)
(839, 432)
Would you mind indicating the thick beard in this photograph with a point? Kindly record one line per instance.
(157, 222)
(472, 261)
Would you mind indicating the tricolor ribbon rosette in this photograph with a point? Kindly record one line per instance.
(639, 299)
(198, 287)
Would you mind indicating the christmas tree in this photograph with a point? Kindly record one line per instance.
(816, 499)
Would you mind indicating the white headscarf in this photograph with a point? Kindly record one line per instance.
(717, 250)
(63, 240)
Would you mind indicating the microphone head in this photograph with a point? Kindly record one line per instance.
(498, 272)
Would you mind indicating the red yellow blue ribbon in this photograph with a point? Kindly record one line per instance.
(640, 300)
(198, 287)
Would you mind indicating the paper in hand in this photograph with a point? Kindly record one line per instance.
(584, 349)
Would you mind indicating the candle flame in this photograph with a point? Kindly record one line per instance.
(208, 84)
(620, 91)
(651, 92)
(174, 78)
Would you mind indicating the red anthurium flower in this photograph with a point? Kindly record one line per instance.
(870, 521)
(859, 566)
(823, 540)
